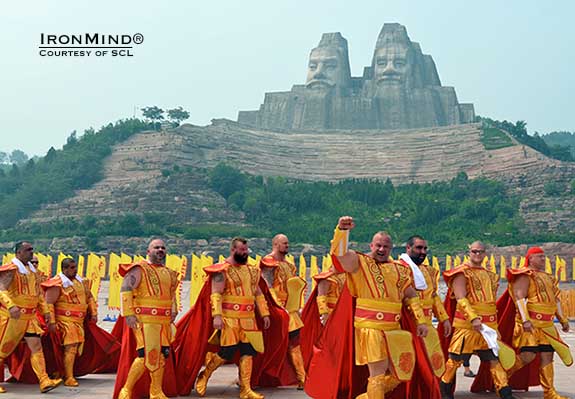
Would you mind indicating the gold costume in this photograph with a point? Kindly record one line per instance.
(74, 303)
(283, 271)
(152, 302)
(481, 286)
(236, 305)
(379, 289)
(540, 308)
(25, 292)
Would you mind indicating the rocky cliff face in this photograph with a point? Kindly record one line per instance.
(137, 177)
(400, 89)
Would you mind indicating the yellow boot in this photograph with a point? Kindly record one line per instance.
(2, 389)
(212, 363)
(136, 370)
(69, 358)
(390, 383)
(39, 367)
(297, 362)
(376, 387)
(245, 377)
(546, 376)
(157, 377)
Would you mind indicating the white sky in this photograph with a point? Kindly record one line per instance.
(514, 59)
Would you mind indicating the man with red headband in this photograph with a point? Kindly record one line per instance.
(535, 294)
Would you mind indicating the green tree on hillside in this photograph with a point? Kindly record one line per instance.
(177, 115)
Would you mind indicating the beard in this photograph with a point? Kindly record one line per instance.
(240, 258)
(418, 259)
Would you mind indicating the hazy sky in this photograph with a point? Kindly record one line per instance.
(513, 60)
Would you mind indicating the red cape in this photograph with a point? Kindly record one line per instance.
(100, 355)
(311, 329)
(332, 371)
(127, 356)
(191, 344)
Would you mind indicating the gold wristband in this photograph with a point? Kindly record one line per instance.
(340, 242)
(6, 300)
(52, 312)
(262, 305)
(465, 306)
(127, 308)
(92, 307)
(414, 305)
(439, 309)
(216, 301)
(522, 309)
(322, 304)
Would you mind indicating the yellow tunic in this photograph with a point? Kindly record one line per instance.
(430, 301)
(282, 272)
(153, 300)
(238, 303)
(481, 285)
(25, 292)
(542, 297)
(73, 305)
(379, 289)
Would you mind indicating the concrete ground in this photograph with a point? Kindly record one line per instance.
(222, 383)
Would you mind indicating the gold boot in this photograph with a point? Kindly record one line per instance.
(39, 367)
(390, 383)
(376, 387)
(500, 381)
(212, 363)
(2, 389)
(136, 370)
(245, 377)
(69, 358)
(157, 377)
(297, 362)
(546, 376)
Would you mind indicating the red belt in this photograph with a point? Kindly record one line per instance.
(23, 310)
(483, 318)
(377, 315)
(540, 316)
(70, 313)
(238, 307)
(141, 310)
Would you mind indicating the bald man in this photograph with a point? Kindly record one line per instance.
(286, 288)
(475, 290)
(149, 305)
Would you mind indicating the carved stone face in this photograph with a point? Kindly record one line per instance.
(325, 68)
(392, 66)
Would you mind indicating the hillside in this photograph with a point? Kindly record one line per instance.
(161, 179)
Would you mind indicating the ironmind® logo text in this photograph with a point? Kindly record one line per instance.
(88, 44)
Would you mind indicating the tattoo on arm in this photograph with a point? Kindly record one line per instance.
(129, 282)
(268, 275)
(6, 279)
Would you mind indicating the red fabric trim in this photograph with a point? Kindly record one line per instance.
(337, 264)
(376, 315)
(216, 268)
(8, 267)
(269, 261)
(55, 281)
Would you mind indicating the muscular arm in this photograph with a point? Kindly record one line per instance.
(349, 261)
(218, 283)
(323, 287)
(132, 279)
(520, 287)
(268, 275)
(6, 279)
(52, 295)
(458, 286)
